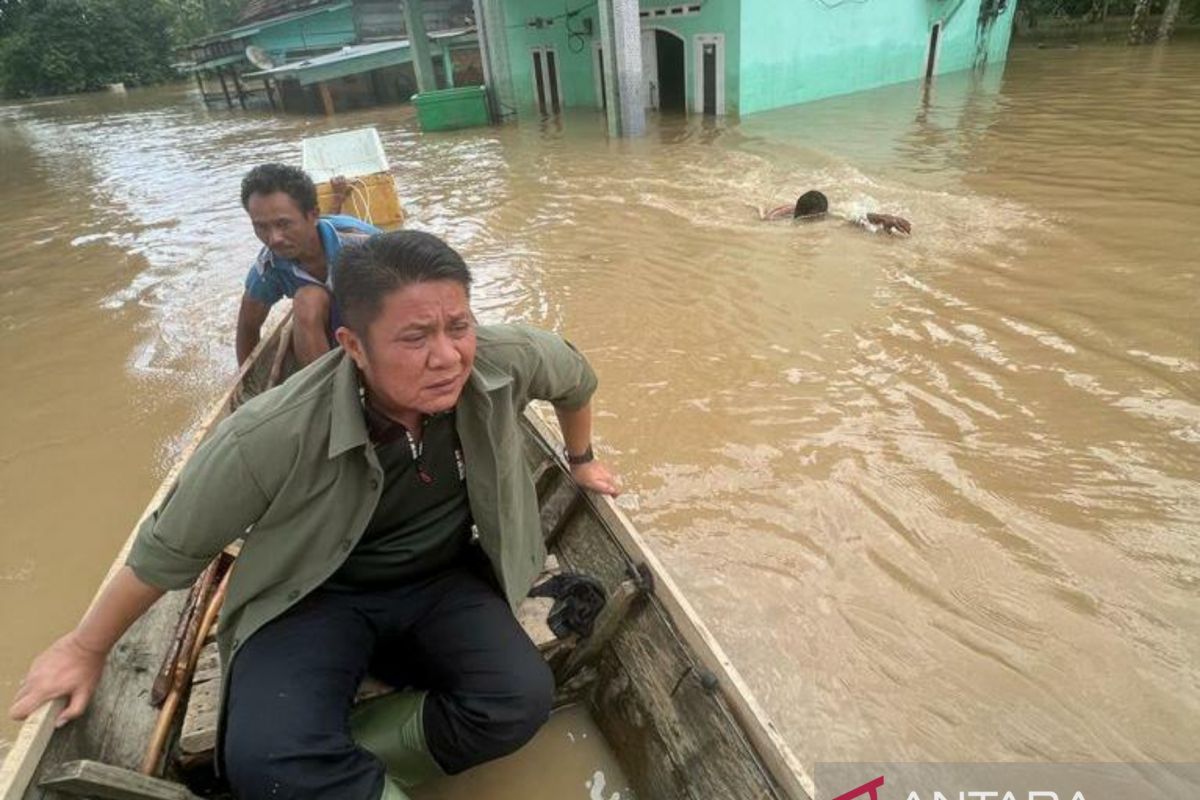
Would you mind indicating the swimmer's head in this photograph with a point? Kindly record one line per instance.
(811, 204)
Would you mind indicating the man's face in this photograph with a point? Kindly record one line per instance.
(282, 226)
(418, 352)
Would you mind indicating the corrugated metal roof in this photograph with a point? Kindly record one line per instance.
(450, 33)
(256, 10)
(338, 63)
(395, 47)
(242, 31)
(235, 58)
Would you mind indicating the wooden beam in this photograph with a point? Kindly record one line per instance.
(224, 87)
(93, 779)
(326, 98)
(241, 93)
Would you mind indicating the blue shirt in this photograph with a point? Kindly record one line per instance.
(273, 277)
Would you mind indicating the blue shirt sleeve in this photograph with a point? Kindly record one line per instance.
(345, 222)
(265, 286)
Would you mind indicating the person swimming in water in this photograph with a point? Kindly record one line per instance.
(814, 205)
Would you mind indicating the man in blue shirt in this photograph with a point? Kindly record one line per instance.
(300, 249)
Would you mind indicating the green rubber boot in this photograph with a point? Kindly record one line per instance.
(391, 791)
(390, 727)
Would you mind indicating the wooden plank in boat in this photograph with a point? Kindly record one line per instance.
(557, 504)
(199, 733)
(532, 615)
(106, 782)
(208, 666)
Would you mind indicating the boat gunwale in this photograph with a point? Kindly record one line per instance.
(766, 741)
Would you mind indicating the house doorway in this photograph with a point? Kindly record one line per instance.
(664, 82)
(672, 89)
(547, 88)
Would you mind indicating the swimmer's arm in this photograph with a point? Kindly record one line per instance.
(777, 213)
(888, 222)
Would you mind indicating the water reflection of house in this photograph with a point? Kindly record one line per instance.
(327, 55)
(723, 56)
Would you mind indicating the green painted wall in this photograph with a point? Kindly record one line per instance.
(576, 63)
(776, 53)
(716, 16)
(817, 50)
(326, 31)
(575, 54)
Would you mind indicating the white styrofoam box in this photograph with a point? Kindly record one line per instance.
(350, 153)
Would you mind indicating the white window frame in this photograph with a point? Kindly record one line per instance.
(698, 42)
(685, 10)
(597, 74)
(544, 49)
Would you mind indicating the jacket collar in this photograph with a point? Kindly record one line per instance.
(486, 378)
(348, 427)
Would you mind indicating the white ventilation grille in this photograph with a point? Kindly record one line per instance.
(685, 10)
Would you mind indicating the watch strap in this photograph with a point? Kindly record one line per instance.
(583, 458)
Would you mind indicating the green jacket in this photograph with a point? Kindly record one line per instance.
(293, 473)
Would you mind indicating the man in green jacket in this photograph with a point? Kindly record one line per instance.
(390, 525)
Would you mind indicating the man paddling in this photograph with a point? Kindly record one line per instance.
(814, 205)
(389, 522)
(299, 249)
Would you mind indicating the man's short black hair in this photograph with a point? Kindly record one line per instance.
(271, 178)
(370, 270)
(811, 203)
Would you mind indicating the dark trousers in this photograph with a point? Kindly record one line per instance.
(292, 684)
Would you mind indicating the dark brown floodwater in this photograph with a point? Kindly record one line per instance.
(939, 497)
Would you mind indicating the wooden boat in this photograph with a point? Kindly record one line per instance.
(673, 709)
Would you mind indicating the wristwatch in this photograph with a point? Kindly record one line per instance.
(582, 458)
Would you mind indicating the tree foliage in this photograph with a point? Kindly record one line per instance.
(197, 18)
(59, 46)
(1095, 10)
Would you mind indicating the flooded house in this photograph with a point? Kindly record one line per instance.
(335, 55)
(723, 56)
(624, 57)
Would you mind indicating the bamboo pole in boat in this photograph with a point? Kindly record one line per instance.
(185, 634)
(182, 680)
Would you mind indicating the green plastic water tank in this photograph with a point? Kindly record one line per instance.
(447, 109)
